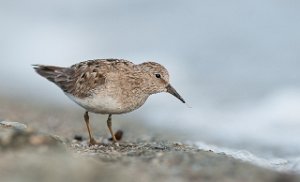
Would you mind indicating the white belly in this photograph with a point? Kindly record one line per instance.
(99, 104)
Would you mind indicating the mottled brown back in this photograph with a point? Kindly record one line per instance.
(80, 79)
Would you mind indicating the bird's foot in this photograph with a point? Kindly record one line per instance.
(93, 142)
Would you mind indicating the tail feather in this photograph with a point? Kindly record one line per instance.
(58, 75)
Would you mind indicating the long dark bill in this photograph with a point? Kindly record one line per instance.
(172, 91)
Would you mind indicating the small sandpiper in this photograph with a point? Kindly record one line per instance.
(109, 86)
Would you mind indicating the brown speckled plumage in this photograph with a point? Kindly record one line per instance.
(80, 79)
(109, 86)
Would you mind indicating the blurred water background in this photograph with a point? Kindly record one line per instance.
(235, 62)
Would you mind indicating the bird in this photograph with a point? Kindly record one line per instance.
(109, 86)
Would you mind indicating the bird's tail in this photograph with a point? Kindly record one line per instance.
(58, 75)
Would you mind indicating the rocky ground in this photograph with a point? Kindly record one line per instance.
(52, 153)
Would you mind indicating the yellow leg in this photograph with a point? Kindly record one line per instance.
(109, 124)
(87, 122)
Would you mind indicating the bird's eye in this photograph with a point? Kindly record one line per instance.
(157, 75)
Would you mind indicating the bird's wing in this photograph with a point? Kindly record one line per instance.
(81, 79)
(87, 76)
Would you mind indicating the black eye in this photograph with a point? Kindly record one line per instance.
(157, 75)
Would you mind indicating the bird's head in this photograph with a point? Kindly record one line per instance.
(158, 79)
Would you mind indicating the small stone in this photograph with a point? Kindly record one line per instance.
(159, 147)
(78, 138)
(118, 135)
(178, 144)
(12, 138)
(130, 144)
(12, 124)
(76, 145)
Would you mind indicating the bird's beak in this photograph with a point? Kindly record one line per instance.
(172, 91)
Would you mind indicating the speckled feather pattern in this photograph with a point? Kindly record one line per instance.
(108, 85)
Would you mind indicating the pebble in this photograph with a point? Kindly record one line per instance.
(78, 138)
(15, 135)
(178, 144)
(12, 124)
